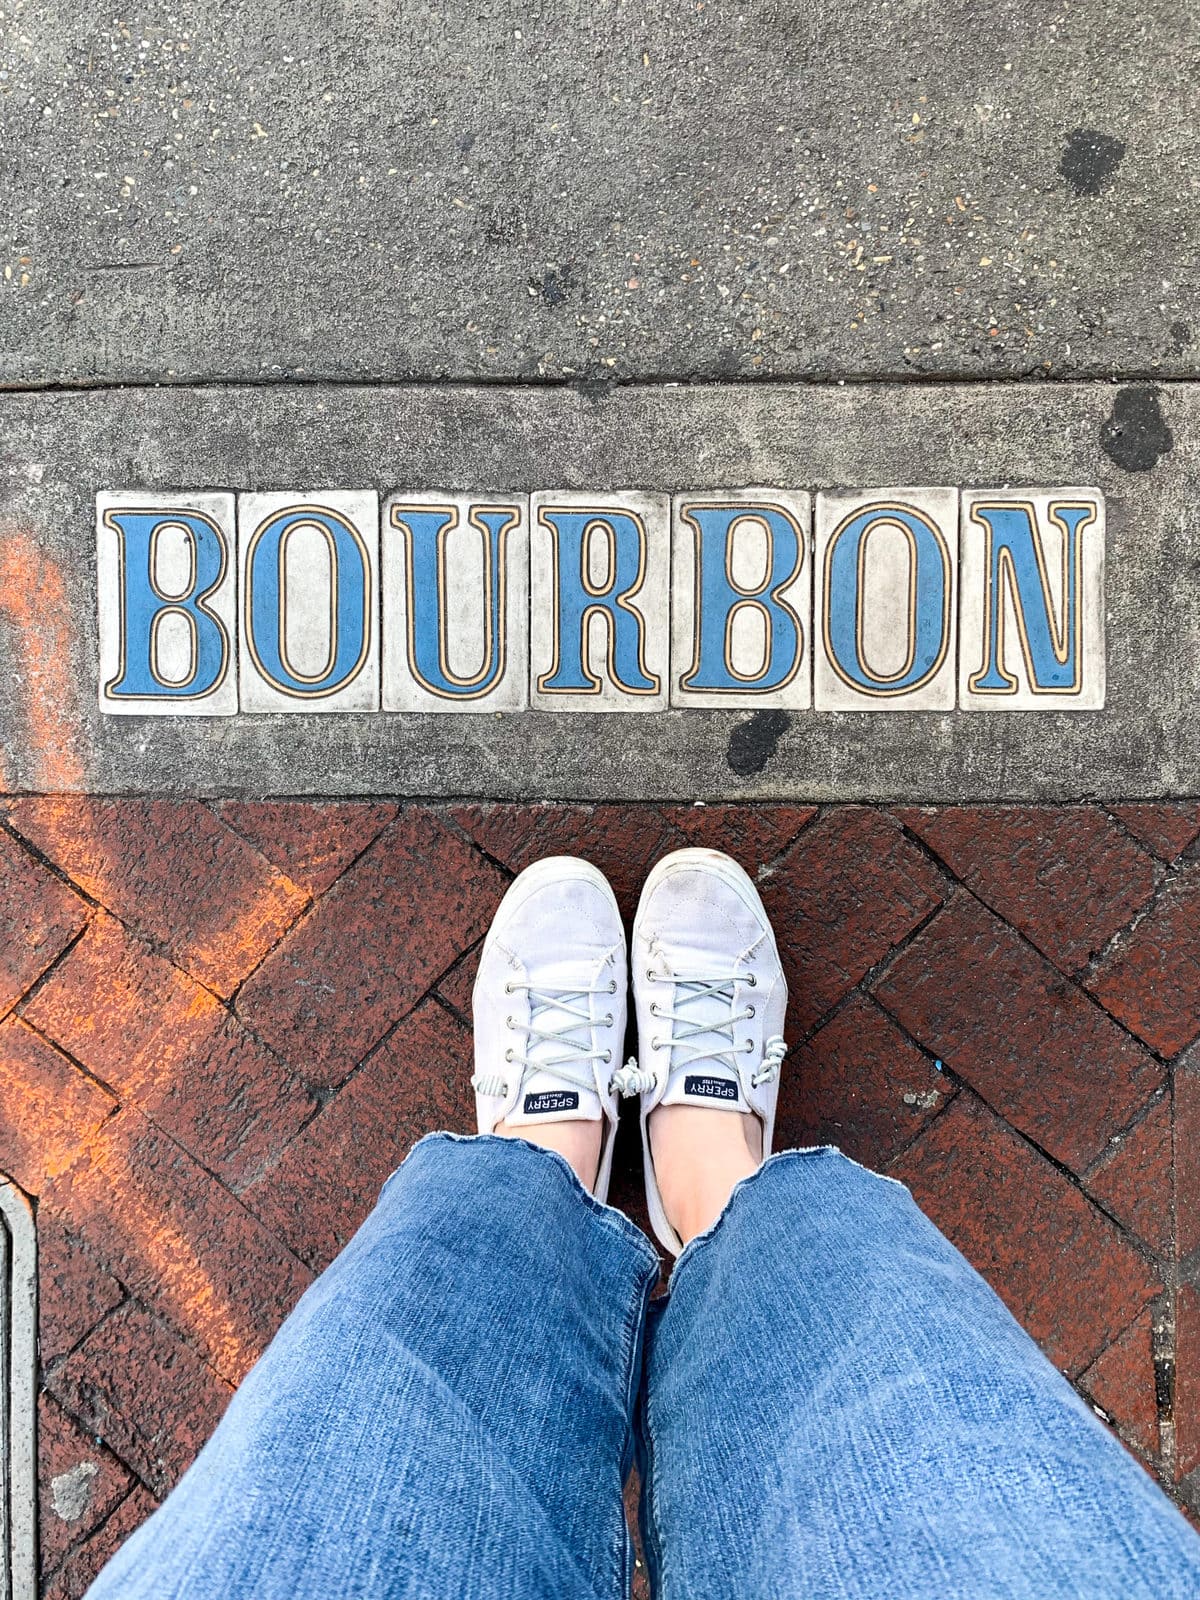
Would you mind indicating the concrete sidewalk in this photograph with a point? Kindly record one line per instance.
(590, 192)
(66, 447)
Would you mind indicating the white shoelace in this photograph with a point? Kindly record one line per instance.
(573, 1005)
(702, 992)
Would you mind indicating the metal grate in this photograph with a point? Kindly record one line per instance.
(18, 1378)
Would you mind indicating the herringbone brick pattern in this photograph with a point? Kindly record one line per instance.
(222, 1025)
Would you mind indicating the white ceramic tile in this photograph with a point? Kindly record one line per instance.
(167, 603)
(600, 582)
(885, 611)
(455, 602)
(1032, 600)
(741, 599)
(310, 561)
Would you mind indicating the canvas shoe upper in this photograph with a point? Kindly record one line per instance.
(550, 1004)
(710, 997)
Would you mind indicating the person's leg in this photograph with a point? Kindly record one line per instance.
(445, 1413)
(836, 1405)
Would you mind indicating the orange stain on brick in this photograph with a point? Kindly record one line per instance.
(66, 1145)
(254, 922)
(174, 873)
(35, 614)
(110, 1195)
(179, 1276)
(49, 1112)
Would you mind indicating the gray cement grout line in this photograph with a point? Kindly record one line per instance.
(601, 388)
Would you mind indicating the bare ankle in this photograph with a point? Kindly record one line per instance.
(577, 1142)
(699, 1156)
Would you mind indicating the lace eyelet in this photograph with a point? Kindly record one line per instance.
(747, 1047)
(656, 1044)
(612, 988)
(654, 1008)
(751, 981)
(508, 1055)
(608, 1021)
(649, 975)
(606, 1057)
(510, 1022)
(749, 1011)
(508, 988)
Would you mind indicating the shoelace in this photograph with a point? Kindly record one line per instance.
(576, 1003)
(632, 1079)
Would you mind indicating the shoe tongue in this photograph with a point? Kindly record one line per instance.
(710, 1081)
(546, 1096)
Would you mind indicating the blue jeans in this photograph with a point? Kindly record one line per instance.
(828, 1403)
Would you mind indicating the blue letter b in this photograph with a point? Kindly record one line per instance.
(144, 605)
(719, 600)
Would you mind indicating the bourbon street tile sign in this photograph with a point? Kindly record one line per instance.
(917, 598)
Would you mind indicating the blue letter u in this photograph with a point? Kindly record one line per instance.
(426, 530)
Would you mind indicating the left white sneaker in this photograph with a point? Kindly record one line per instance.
(550, 1004)
(710, 995)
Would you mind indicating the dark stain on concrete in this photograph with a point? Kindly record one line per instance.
(753, 742)
(595, 385)
(1136, 435)
(553, 287)
(1090, 159)
(1181, 337)
(502, 224)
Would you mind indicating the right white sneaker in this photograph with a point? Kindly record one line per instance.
(710, 995)
(549, 1004)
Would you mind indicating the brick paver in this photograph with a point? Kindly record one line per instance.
(173, 874)
(1121, 1382)
(222, 1025)
(1068, 879)
(81, 1482)
(371, 946)
(1034, 1046)
(1150, 980)
(1064, 1269)
(1166, 829)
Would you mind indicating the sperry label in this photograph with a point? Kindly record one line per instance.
(710, 1088)
(538, 1105)
(921, 599)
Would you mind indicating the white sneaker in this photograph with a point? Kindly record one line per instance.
(549, 1004)
(710, 995)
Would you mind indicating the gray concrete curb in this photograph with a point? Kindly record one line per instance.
(1138, 445)
(18, 1401)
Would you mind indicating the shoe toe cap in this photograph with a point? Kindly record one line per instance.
(697, 910)
(569, 916)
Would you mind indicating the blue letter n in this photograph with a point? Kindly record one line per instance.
(1015, 565)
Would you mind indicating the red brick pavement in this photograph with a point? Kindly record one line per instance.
(214, 1021)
